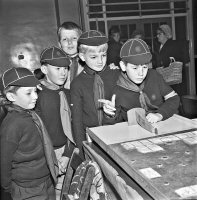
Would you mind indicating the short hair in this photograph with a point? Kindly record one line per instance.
(68, 26)
(3, 98)
(84, 48)
(138, 32)
(11, 88)
(38, 73)
(166, 30)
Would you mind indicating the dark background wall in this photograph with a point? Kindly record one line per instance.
(33, 22)
(195, 35)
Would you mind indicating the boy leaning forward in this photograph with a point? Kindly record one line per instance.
(139, 86)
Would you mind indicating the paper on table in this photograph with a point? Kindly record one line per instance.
(188, 191)
(119, 132)
(150, 173)
(173, 124)
(122, 132)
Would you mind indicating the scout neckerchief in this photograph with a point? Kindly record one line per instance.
(145, 103)
(98, 91)
(74, 67)
(48, 147)
(65, 112)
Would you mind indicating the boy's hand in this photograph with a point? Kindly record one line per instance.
(109, 106)
(154, 117)
(63, 162)
(113, 66)
(39, 87)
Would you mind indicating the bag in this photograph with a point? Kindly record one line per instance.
(173, 73)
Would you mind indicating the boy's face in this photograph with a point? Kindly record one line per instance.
(95, 58)
(136, 73)
(116, 37)
(25, 97)
(55, 75)
(68, 41)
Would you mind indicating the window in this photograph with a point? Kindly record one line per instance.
(145, 15)
(129, 15)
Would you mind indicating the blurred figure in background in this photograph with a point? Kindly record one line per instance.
(171, 48)
(114, 46)
(138, 34)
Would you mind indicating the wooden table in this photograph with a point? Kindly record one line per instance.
(162, 165)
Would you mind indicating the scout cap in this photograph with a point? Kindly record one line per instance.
(54, 56)
(93, 38)
(19, 76)
(135, 51)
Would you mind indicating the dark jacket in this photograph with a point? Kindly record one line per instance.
(22, 155)
(113, 52)
(5, 195)
(172, 48)
(48, 108)
(3, 113)
(84, 113)
(155, 88)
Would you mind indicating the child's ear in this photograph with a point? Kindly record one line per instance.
(10, 96)
(44, 69)
(122, 66)
(82, 57)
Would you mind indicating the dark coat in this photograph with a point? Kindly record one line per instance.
(127, 99)
(48, 108)
(22, 154)
(113, 52)
(84, 113)
(172, 48)
(3, 113)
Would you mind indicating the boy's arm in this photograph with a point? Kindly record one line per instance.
(8, 149)
(170, 106)
(77, 117)
(171, 100)
(38, 106)
(166, 110)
